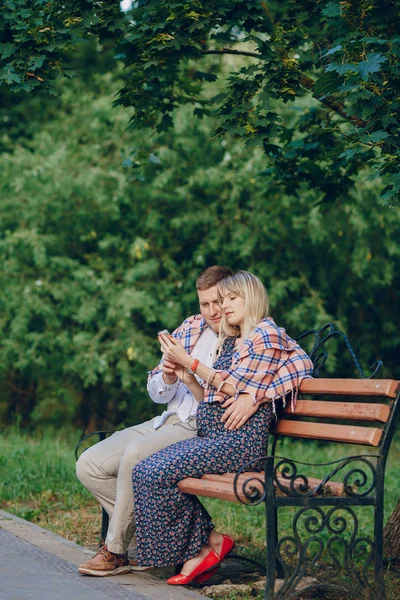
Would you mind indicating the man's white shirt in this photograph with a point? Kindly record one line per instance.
(179, 399)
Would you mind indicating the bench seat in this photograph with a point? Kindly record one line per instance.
(222, 486)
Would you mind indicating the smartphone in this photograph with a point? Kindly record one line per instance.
(164, 332)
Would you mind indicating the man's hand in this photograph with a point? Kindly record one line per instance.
(172, 372)
(238, 411)
(168, 369)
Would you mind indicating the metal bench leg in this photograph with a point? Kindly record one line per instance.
(104, 514)
(378, 543)
(280, 573)
(104, 526)
(271, 560)
(272, 532)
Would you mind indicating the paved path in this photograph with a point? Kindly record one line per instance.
(36, 564)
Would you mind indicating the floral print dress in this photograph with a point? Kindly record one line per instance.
(172, 526)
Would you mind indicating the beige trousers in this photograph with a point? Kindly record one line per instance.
(105, 469)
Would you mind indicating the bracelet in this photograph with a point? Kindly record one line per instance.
(210, 378)
(194, 366)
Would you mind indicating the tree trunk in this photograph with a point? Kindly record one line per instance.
(391, 536)
(93, 407)
(22, 398)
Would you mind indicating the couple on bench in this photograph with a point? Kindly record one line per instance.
(221, 375)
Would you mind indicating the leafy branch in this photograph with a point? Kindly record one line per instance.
(305, 81)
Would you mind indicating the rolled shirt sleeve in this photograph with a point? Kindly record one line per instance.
(159, 391)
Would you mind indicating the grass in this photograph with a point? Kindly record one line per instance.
(38, 483)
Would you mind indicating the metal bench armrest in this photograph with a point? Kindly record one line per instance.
(357, 478)
(102, 436)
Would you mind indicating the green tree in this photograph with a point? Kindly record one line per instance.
(74, 313)
(102, 234)
(342, 54)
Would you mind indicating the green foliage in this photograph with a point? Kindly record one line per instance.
(22, 114)
(71, 317)
(32, 465)
(103, 233)
(345, 55)
(38, 39)
(104, 226)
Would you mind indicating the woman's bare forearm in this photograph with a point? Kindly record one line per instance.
(194, 387)
(177, 354)
(204, 372)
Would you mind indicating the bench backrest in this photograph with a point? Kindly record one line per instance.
(354, 411)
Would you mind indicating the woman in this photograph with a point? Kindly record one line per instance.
(257, 362)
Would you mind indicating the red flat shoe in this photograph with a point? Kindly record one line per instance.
(206, 575)
(209, 562)
(227, 546)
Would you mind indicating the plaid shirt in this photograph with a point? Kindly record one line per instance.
(188, 333)
(268, 364)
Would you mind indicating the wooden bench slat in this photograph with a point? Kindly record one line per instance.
(334, 488)
(221, 486)
(229, 476)
(340, 410)
(367, 436)
(361, 387)
(211, 489)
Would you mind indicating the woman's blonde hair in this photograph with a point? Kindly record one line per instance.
(247, 286)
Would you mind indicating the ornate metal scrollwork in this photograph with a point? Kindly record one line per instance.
(358, 481)
(319, 358)
(252, 490)
(298, 485)
(325, 544)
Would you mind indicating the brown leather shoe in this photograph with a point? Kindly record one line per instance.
(105, 564)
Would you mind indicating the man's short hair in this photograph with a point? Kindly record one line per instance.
(211, 276)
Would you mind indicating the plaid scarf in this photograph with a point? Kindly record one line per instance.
(268, 364)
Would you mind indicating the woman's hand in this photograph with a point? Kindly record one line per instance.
(174, 352)
(238, 411)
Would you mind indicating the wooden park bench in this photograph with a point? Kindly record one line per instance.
(326, 540)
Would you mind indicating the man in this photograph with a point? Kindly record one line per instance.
(105, 469)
